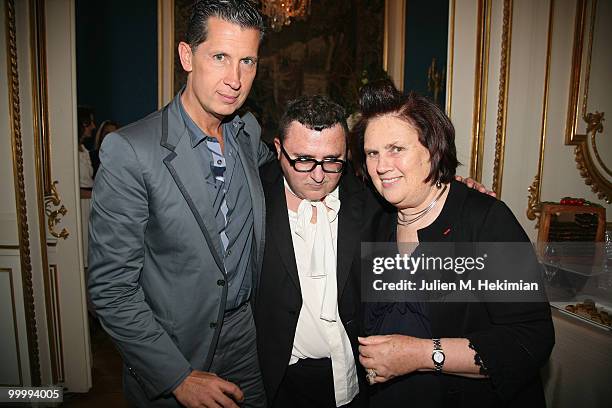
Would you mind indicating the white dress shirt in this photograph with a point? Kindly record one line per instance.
(319, 332)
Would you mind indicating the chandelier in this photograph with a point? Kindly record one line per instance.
(282, 11)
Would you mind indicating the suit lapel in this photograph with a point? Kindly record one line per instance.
(279, 231)
(251, 171)
(184, 166)
(349, 223)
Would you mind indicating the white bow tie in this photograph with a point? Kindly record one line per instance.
(323, 258)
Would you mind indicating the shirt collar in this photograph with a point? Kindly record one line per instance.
(334, 194)
(231, 128)
(331, 201)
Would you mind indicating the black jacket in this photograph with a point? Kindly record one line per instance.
(279, 299)
(514, 340)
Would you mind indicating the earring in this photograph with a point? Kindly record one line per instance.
(439, 184)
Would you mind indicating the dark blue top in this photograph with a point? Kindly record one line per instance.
(514, 340)
(406, 318)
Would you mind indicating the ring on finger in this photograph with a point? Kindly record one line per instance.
(371, 375)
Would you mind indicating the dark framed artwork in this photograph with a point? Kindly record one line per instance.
(426, 48)
(334, 51)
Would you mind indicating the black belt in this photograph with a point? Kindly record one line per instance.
(314, 362)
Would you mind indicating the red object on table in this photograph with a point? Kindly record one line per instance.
(572, 201)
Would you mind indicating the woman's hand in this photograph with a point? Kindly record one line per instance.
(393, 355)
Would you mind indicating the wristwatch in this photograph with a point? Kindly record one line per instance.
(437, 356)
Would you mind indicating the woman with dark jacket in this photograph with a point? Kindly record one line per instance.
(439, 354)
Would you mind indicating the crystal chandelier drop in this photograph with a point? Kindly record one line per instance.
(282, 11)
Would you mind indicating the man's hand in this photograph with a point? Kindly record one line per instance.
(475, 185)
(202, 389)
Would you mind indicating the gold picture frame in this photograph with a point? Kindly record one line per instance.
(585, 128)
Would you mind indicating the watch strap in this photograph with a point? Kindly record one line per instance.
(437, 350)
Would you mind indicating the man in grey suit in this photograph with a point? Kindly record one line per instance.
(177, 227)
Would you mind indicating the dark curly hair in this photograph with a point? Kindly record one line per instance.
(436, 132)
(316, 112)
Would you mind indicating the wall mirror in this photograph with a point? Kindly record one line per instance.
(591, 96)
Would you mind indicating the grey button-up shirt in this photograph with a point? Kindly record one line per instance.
(231, 204)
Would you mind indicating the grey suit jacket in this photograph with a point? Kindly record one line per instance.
(156, 275)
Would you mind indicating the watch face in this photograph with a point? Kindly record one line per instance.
(438, 357)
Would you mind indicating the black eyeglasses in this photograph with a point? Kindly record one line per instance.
(304, 165)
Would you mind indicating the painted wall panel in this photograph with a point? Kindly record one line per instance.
(10, 368)
(461, 110)
(61, 70)
(8, 218)
(525, 96)
(525, 104)
(561, 178)
(12, 316)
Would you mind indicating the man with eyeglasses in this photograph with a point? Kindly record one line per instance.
(308, 300)
(307, 306)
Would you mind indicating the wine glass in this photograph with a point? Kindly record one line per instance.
(605, 280)
(551, 261)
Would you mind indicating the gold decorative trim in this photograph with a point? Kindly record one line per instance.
(386, 38)
(483, 40)
(587, 166)
(435, 78)
(588, 62)
(533, 200)
(399, 50)
(535, 190)
(594, 126)
(571, 127)
(54, 322)
(160, 53)
(38, 55)
(45, 190)
(502, 102)
(17, 349)
(38, 52)
(165, 52)
(20, 197)
(54, 217)
(451, 59)
(583, 162)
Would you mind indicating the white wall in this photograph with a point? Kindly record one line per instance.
(577, 363)
(61, 69)
(525, 99)
(8, 214)
(55, 264)
(463, 68)
(14, 353)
